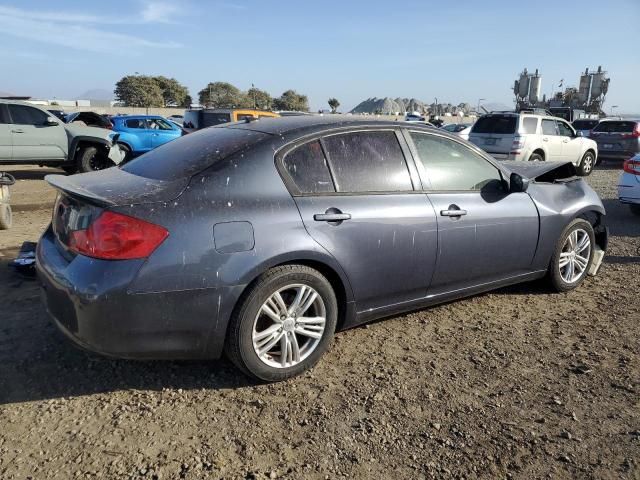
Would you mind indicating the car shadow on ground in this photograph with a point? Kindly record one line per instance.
(32, 174)
(38, 363)
(620, 220)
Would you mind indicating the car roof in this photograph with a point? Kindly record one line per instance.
(282, 125)
(133, 117)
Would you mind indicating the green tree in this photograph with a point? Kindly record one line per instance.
(186, 103)
(334, 104)
(139, 91)
(221, 95)
(292, 100)
(257, 98)
(173, 92)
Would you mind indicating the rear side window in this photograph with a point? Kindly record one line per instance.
(452, 166)
(307, 167)
(529, 125)
(368, 162)
(498, 124)
(4, 115)
(549, 127)
(23, 115)
(135, 123)
(188, 155)
(615, 127)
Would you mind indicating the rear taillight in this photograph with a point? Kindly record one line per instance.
(518, 143)
(113, 236)
(632, 166)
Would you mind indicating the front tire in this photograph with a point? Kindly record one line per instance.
(586, 164)
(572, 256)
(6, 217)
(284, 323)
(92, 160)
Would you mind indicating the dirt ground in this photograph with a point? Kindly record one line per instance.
(519, 383)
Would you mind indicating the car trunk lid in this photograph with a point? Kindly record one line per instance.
(544, 171)
(495, 133)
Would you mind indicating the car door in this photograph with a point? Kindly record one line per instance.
(551, 139)
(485, 234)
(161, 131)
(138, 128)
(33, 138)
(5, 134)
(571, 143)
(359, 204)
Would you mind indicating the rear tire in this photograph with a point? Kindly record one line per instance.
(268, 321)
(572, 256)
(635, 209)
(586, 164)
(92, 160)
(6, 216)
(536, 157)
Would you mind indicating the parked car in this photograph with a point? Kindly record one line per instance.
(584, 125)
(179, 119)
(142, 133)
(262, 238)
(32, 135)
(460, 129)
(533, 137)
(617, 139)
(90, 119)
(629, 184)
(57, 112)
(199, 118)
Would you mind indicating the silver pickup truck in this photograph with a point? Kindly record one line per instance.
(31, 135)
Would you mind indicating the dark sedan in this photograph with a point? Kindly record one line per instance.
(261, 238)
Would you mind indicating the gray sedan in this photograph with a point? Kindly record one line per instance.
(261, 239)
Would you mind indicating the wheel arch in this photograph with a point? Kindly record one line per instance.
(77, 142)
(540, 151)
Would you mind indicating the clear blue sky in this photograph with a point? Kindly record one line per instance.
(456, 51)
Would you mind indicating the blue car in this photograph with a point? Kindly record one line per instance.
(141, 133)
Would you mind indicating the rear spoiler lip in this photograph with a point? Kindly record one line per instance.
(64, 184)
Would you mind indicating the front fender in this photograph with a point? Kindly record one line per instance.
(76, 140)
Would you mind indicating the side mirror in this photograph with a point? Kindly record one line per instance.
(50, 122)
(517, 183)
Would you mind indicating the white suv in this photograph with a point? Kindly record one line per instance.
(526, 136)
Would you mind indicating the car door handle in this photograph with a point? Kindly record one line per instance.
(545, 139)
(565, 141)
(331, 217)
(453, 212)
(18, 130)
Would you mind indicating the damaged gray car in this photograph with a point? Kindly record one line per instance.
(262, 238)
(32, 135)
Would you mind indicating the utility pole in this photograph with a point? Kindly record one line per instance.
(209, 99)
(253, 88)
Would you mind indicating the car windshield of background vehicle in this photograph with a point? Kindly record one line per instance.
(615, 127)
(368, 162)
(307, 167)
(452, 166)
(211, 119)
(498, 124)
(549, 127)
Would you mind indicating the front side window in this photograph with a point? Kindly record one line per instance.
(564, 129)
(370, 161)
(450, 165)
(23, 115)
(549, 127)
(158, 124)
(307, 167)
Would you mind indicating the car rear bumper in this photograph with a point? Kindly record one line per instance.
(89, 302)
(615, 155)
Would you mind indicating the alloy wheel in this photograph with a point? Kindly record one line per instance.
(575, 255)
(289, 326)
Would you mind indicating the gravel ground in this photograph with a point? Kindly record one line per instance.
(519, 383)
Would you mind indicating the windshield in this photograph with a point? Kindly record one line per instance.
(615, 127)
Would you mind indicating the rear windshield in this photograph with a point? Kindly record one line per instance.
(615, 127)
(188, 155)
(584, 124)
(499, 124)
